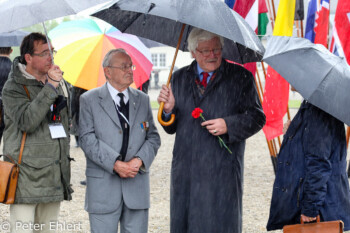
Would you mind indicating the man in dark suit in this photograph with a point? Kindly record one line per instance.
(120, 141)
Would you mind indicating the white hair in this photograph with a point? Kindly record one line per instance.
(198, 35)
(107, 59)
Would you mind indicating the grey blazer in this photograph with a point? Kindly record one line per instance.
(101, 140)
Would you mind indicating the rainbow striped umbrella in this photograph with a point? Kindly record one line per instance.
(82, 45)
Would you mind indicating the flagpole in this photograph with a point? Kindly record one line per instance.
(272, 18)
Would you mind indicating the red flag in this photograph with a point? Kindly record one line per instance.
(340, 41)
(322, 24)
(275, 103)
(276, 92)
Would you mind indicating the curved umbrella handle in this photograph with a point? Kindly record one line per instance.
(161, 106)
(160, 111)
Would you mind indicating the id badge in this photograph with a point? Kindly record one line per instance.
(57, 131)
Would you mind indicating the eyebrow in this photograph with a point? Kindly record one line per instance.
(52, 49)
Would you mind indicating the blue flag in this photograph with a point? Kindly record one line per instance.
(230, 3)
(310, 21)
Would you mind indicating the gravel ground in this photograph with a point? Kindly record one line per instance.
(258, 181)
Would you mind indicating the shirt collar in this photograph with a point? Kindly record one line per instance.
(114, 94)
(200, 70)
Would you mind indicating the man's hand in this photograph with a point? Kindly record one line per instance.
(307, 219)
(128, 169)
(166, 95)
(216, 126)
(55, 75)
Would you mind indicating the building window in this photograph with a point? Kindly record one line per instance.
(162, 60)
(159, 60)
(155, 59)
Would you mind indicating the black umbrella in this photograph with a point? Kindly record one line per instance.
(162, 20)
(170, 21)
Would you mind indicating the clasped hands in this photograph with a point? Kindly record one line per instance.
(216, 127)
(128, 169)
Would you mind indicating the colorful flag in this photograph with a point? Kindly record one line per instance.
(263, 20)
(322, 24)
(276, 94)
(230, 3)
(340, 44)
(310, 20)
(251, 10)
(299, 10)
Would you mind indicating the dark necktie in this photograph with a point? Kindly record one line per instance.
(124, 110)
(204, 80)
(121, 102)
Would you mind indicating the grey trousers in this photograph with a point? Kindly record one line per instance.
(131, 221)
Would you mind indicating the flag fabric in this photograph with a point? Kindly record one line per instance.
(230, 3)
(322, 24)
(340, 43)
(276, 94)
(251, 10)
(299, 10)
(310, 20)
(263, 19)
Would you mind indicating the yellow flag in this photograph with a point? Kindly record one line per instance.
(285, 18)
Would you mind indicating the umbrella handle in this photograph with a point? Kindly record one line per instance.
(161, 106)
(160, 111)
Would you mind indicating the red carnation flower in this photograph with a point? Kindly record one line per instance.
(197, 112)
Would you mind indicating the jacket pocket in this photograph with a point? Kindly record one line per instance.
(40, 172)
(94, 172)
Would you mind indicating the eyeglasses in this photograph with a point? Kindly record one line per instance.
(207, 52)
(45, 53)
(125, 67)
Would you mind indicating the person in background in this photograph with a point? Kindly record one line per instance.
(311, 177)
(44, 175)
(5, 67)
(206, 180)
(120, 141)
(76, 92)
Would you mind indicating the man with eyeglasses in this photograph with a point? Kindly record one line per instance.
(35, 92)
(207, 180)
(120, 141)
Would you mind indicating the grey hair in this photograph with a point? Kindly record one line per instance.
(198, 35)
(107, 59)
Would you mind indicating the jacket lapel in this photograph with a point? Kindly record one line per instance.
(108, 105)
(134, 104)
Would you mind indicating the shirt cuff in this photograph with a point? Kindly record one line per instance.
(166, 116)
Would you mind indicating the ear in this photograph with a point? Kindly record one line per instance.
(28, 58)
(107, 72)
(193, 54)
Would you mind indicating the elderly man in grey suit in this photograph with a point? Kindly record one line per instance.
(120, 141)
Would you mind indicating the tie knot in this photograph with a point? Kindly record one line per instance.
(205, 75)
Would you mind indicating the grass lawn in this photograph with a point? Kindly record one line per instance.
(294, 103)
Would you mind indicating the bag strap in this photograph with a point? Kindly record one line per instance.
(24, 133)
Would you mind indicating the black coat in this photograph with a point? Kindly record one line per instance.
(5, 67)
(207, 181)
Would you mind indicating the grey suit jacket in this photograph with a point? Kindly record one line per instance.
(101, 138)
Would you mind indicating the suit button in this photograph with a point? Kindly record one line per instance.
(120, 132)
